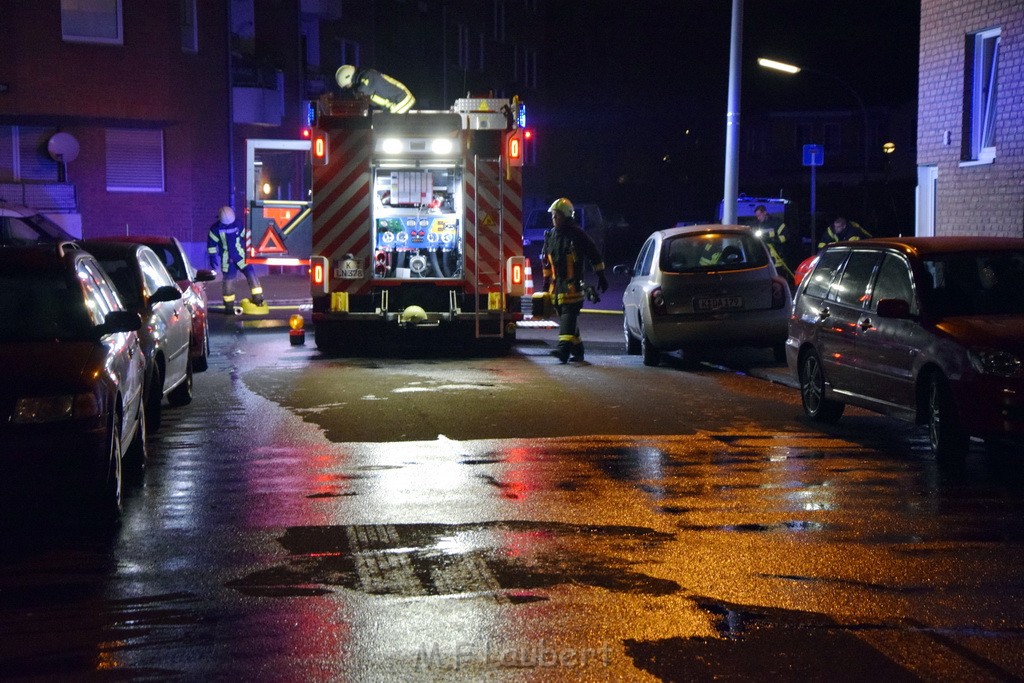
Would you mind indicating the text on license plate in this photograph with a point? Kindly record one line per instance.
(718, 303)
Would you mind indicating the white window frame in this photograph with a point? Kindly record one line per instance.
(981, 97)
(133, 155)
(81, 21)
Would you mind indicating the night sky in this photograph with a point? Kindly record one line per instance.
(627, 80)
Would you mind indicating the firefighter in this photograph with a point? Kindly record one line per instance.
(562, 256)
(842, 230)
(227, 254)
(383, 90)
(773, 231)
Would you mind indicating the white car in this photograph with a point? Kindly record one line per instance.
(704, 286)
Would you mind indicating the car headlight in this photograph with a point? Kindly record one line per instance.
(998, 363)
(37, 409)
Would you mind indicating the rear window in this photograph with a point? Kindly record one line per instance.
(715, 251)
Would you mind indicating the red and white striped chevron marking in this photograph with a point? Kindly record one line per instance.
(342, 202)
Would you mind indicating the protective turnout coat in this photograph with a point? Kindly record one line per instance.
(562, 260)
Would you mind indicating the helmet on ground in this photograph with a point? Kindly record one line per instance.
(345, 74)
(413, 314)
(562, 206)
(226, 215)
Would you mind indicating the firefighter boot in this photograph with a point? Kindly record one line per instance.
(562, 352)
(576, 354)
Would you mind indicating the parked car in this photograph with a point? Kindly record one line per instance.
(22, 226)
(927, 329)
(71, 400)
(703, 286)
(191, 281)
(148, 289)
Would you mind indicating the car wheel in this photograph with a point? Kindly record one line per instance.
(812, 391)
(651, 355)
(948, 438)
(632, 343)
(181, 395)
(201, 363)
(138, 449)
(154, 400)
(108, 499)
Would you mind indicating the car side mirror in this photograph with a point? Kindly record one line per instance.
(893, 308)
(622, 269)
(205, 275)
(119, 321)
(165, 293)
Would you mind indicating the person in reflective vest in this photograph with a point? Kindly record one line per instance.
(227, 254)
(381, 89)
(562, 257)
(842, 230)
(772, 231)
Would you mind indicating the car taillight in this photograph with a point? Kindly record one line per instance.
(779, 298)
(658, 306)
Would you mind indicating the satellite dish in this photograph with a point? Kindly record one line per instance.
(63, 147)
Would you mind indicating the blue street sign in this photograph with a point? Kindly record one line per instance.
(814, 155)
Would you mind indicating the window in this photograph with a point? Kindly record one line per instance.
(852, 288)
(821, 277)
(135, 160)
(91, 21)
(499, 20)
(893, 282)
(980, 96)
(349, 52)
(644, 260)
(189, 32)
(23, 154)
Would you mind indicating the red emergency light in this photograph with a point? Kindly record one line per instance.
(307, 134)
(319, 149)
(515, 147)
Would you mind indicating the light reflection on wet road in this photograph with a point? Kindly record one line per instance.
(270, 539)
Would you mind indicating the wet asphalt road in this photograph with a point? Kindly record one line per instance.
(431, 518)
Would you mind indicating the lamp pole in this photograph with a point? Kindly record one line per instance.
(793, 70)
(732, 117)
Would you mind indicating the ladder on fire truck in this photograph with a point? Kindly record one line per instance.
(493, 166)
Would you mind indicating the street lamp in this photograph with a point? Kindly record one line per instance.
(793, 70)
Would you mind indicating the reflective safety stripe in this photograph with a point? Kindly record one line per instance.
(257, 290)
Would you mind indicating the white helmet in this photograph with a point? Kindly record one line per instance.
(562, 206)
(345, 74)
(226, 215)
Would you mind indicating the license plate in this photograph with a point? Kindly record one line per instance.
(718, 303)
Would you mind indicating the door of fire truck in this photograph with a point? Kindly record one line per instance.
(278, 193)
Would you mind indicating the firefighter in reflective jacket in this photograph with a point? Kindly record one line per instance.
(565, 247)
(843, 230)
(773, 232)
(383, 90)
(227, 254)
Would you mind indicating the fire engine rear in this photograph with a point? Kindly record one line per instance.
(417, 224)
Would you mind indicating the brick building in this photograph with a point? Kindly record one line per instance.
(970, 140)
(132, 117)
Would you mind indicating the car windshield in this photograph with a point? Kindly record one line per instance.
(124, 279)
(42, 306)
(703, 252)
(975, 283)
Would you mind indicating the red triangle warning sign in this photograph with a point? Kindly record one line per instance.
(271, 242)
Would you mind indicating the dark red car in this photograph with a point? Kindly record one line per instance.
(191, 281)
(927, 329)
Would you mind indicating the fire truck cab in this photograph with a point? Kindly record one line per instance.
(416, 224)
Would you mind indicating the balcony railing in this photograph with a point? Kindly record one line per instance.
(60, 197)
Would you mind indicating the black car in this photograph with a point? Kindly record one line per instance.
(21, 226)
(71, 400)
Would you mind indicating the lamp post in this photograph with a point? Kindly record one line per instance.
(793, 70)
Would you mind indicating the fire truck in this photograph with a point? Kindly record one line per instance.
(417, 224)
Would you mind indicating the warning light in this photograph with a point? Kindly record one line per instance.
(318, 274)
(319, 149)
(306, 133)
(515, 147)
(515, 272)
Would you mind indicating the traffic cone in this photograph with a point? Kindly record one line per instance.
(528, 277)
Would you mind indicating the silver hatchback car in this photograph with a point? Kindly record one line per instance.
(704, 286)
